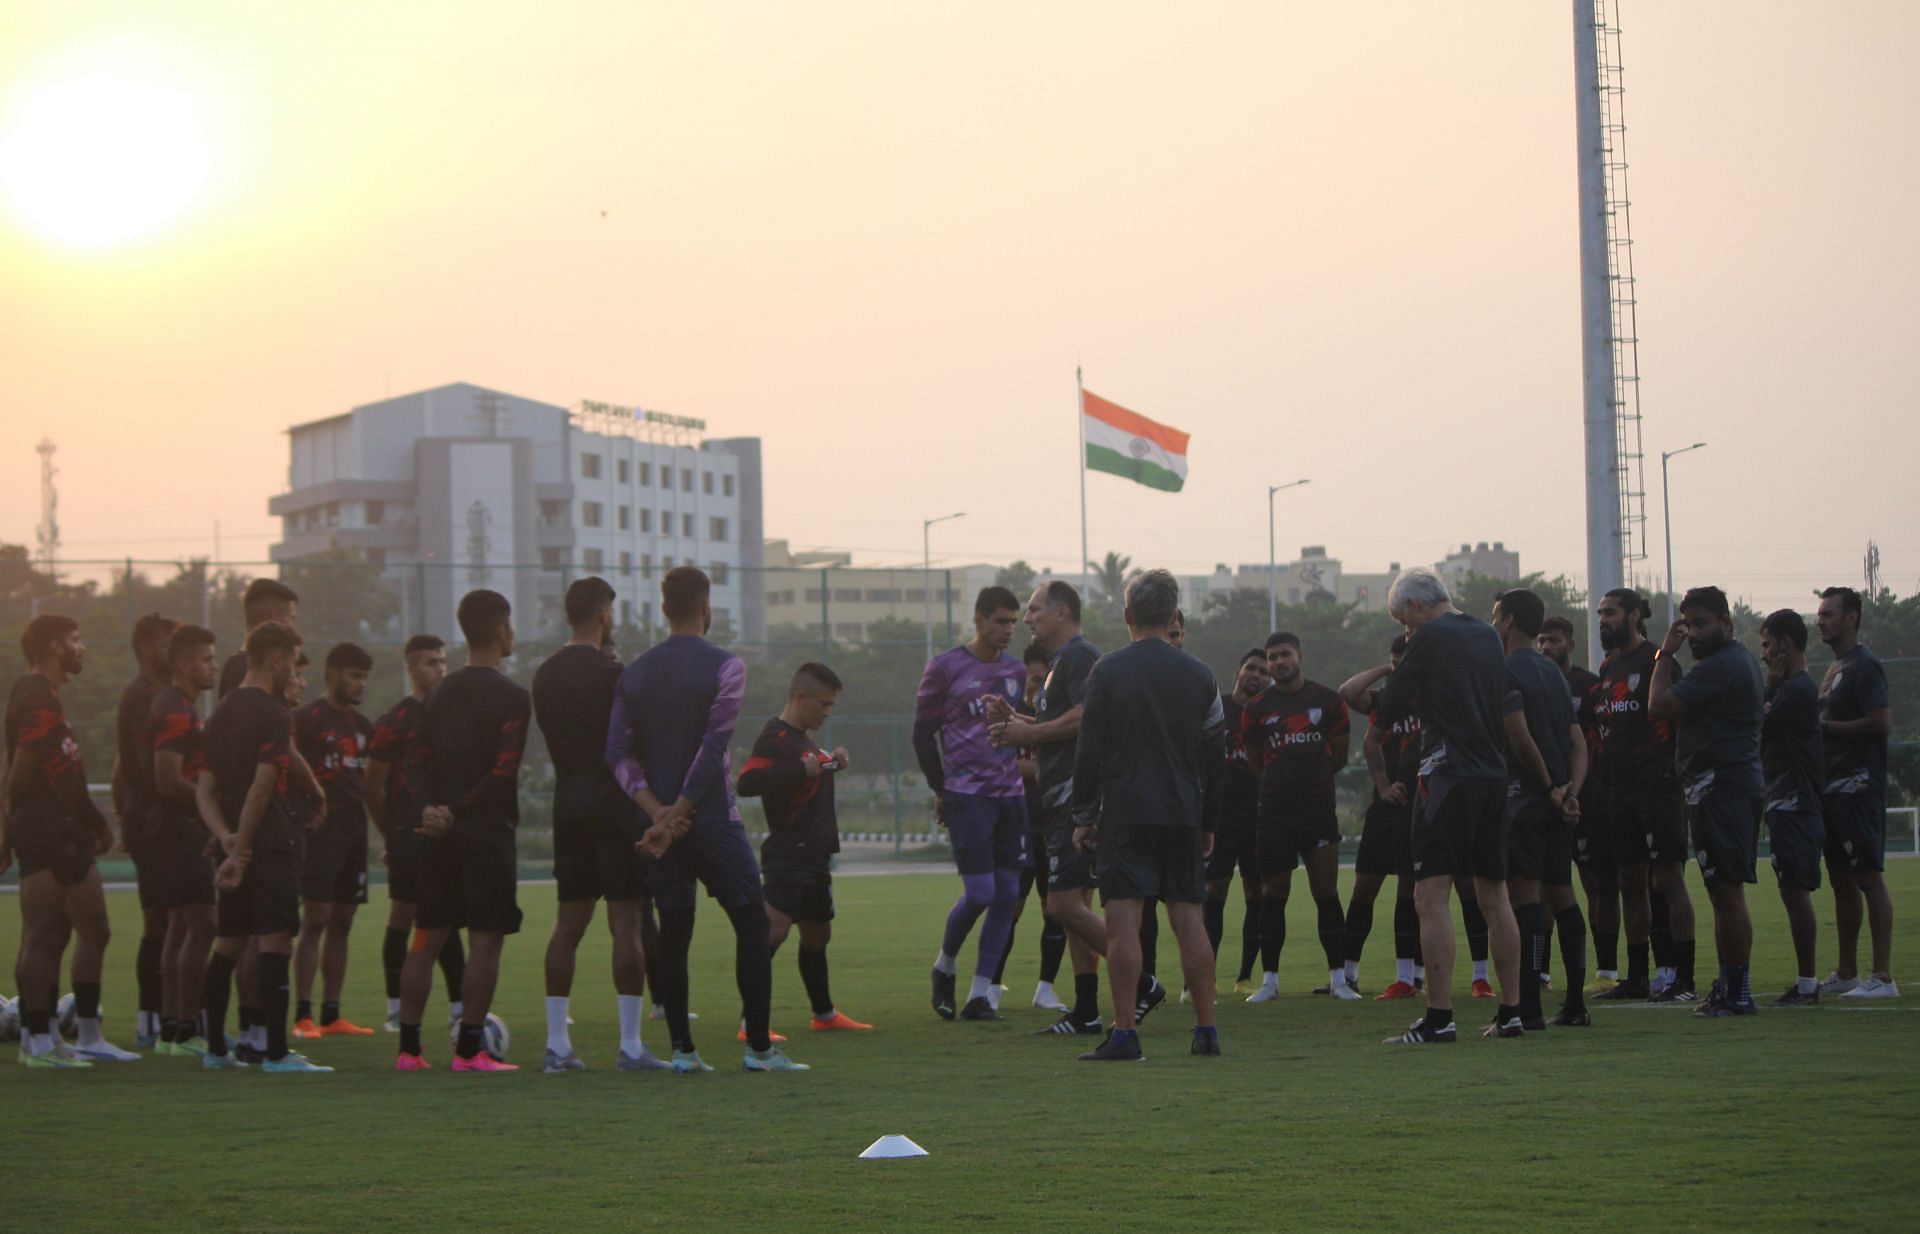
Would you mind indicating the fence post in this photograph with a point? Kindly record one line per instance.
(826, 617)
(129, 590)
(950, 634)
(893, 773)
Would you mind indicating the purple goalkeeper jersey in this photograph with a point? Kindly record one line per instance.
(950, 724)
(674, 712)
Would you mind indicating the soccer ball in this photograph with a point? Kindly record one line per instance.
(494, 1038)
(67, 1022)
(9, 1020)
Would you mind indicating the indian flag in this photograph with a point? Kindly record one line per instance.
(1126, 443)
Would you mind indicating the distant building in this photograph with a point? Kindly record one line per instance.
(1314, 575)
(812, 592)
(461, 487)
(1488, 561)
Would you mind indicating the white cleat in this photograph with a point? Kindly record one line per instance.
(1875, 986)
(104, 1051)
(1836, 985)
(1344, 993)
(1267, 992)
(1046, 1000)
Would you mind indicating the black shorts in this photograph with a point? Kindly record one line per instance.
(1138, 862)
(1068, 868)
(1460, 828)
(1648, 827)
(1856, 830)
(1235, 849)
(1592, 842)
(1377, 838)
(1284, 842)
(1539, 839)
(801, 894)
(1726, 839)
(176, 870)
(335, 868)
(1797, 838)
(44, 838)
(594, 858)
(267, 901)
(403, 846)
(469, 877)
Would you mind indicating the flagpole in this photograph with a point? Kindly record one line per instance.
(1086, 562)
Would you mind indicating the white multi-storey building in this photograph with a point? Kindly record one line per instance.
(460, 487)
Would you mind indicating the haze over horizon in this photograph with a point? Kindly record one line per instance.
(1329, 241)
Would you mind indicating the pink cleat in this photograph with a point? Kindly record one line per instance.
(411, 1062)
(482, 1061)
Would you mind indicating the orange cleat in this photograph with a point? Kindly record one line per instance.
(772, 1036)
(411, 1062)
(1482, 990)
(840, 1021)
(343, 1028)
(305, 1030)
(1398, 989)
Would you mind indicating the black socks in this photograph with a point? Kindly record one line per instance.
(274, 992)
(813, 975)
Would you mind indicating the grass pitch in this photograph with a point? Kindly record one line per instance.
(1794, 1120)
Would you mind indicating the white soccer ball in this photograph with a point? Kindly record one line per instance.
(494, 1038)
(9, 1020)
(65, 1021)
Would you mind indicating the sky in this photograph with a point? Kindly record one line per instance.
(1331, 241)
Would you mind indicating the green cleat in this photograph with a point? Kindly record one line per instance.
(52, 1060)
(293, 1064)
(772, 1060)
(221, 1062)
(688, 1063)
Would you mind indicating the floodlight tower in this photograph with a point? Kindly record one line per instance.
(47, 534)
(1609, 333)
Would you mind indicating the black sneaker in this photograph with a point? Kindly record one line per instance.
(1714, 1005)
(1322, 990)
(248, 1054)
(1676, 995)
(1537, 1024)
(1148, 1001)
(1742, 1006)
(1067, 1026)
(943, 994)
(1568, 1018)
(1419, 1034)
(1509, 1027)
(1111, 1051)
(1207, 1044)
(1625, 992)
(979, 1009)
(1794, 998)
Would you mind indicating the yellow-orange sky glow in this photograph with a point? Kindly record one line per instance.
(1329, 240)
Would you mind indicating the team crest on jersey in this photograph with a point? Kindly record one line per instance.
(1313, 715)
(1012, 687)
(1633, 681)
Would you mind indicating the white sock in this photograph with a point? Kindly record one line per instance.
(146, 1023)
(455, 1010)
(632, 1007)
(1807, 985)
(1403, 971)
(39, 1043)
(1336, 976)
(1270, 980)
(1419, 972)
(944, 963)
(393, 1009)
(89, 1031)
(257, 1037)
(1044, 987)
(1608, 974)
(557, 1039)
(993, 995)
(1353, 970)
(980, 987)
(1479, 970)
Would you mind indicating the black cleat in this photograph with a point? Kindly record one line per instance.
(1067, 1026)
(1205, 1044)
(979, 1009)
(1112, 1051)
(1675, 995)
(249, 1054)
(1148, 1001)
(1510, 1027)
(1625, 992)
(943, 994)
(1537, 1024)
(1420, 1034)
(1794, 998)
(1568, 1018)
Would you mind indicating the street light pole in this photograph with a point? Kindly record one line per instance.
(1666, 516)
(1273, 564)
(926, 557)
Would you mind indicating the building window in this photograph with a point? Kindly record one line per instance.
(550, 559)
(590, 513)
(717, 572)
(646, 519)
(717, 530)
(626, 565)
(723, 617)
(553, 513)
(686, 525)
(726, 485)
(883, 595)
(591, 558)
(846, 595)
(646, 474)
(376, 513)
(686, 479)
(666, 563)
(333, 514)
(620, 470)
(916, 595)
(590, 466)
(646, 564)
(626, 612)
(813, 597)
(849, 630)
(706, 483)
(626, 517)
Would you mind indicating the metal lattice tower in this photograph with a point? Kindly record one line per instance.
(47, 534)
(1624, 328)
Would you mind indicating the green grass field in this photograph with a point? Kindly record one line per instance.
(1795, 1120)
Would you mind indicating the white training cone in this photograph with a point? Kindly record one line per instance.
(888, 1147)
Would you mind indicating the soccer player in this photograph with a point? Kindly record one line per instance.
(1234, 850)
(265, 599)
(54, 828)
(978, 793)
(1392, 751)
(595, 827)
(467, 768)
(793, 777)
(249, 749)
(1718, 707)
(1592, 848)
(1053, 619)
(182, 876)
(332, 736)
(1296, 733)
(1646, 813)
(1453, 677)
(395, 814)
(1053, 937)
(1546, 766)
(1146, 800)
(1792, 757)
(1855, 718)
(674, 713)
(132, 780)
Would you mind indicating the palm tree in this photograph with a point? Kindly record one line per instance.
(1110, 578)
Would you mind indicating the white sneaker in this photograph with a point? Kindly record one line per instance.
(1875, 986)
(994, 993)
(1046, 1000)
(1662, 978)
(1268, 991)
(393, 1023)
(104, 1051)
(1342, 992)
(1835, 985)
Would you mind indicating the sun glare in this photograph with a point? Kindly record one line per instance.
(107, 146)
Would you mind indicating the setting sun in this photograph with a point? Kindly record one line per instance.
(111, 144)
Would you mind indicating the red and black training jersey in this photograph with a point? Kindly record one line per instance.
(334, 742)
(1240, 789)
(135, 749)
(472, 735)
(1633, 750)
(1399, 747)
(1290, 738)
(37, 725)
(173, 727)
(249, 729)
(392, 738)
(801, 826)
